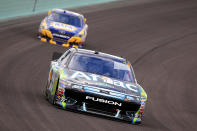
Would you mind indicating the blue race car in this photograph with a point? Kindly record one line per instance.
(97, 83)
(63, 27)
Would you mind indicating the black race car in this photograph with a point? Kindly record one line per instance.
(96, 82)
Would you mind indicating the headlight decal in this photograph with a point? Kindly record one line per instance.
(43, 25)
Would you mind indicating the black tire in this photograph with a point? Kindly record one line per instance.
(45, 91)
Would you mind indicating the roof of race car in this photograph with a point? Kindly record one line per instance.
(67, 12)
(100, 54)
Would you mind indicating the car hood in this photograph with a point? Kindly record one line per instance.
(63, 27)
(84, 78)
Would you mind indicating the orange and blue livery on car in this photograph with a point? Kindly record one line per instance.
(63, 27)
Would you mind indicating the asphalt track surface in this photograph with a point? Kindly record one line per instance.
(158, 37)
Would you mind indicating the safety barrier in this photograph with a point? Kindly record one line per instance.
(13, 8)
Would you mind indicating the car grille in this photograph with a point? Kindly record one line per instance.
(101, 109)
(58, 32)
(62, 40)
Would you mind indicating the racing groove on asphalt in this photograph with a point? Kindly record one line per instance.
(159, 38)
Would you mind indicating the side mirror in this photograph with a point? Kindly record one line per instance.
(56, 55)
(49, 12)
(85, 20)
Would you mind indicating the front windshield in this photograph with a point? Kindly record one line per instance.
(66, 19)
(113, 68)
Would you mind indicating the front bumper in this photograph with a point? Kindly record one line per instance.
(76, 100)
(46, 36)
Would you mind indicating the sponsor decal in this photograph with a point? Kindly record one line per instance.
(58, 97)
(63, 26)
(93, 77)
(136, 115)
(103, 101)
(105, 92)
(61, 32)
(63, 99)
(142, 102)
(60, 91)
(62, 36)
